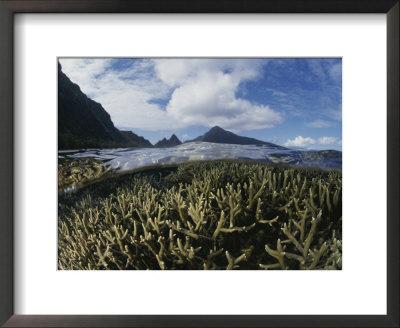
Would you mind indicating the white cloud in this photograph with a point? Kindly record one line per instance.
(300, 142)
(306, 142)
(195, 92)
(205, 93)
(330, 141)
(210, 100)
(175, 72)
(85, 72)
(318, 124)
(327, 140)
(126, 94)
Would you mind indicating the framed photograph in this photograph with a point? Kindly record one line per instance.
(172, 200)
(206, 164)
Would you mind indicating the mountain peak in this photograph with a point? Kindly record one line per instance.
(218, 135)
(216, 128)
(171, 142)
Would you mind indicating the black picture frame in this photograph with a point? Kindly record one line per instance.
(10, 7)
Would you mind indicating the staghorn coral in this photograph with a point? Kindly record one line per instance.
(214, 215)
(75, 173)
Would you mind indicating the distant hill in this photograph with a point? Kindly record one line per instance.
(219, 135)
(171, 142)
(132, 137)
(84, 123)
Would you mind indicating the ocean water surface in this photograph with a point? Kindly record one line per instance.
(129, 159)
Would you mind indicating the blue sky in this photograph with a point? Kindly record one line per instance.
(291, 102)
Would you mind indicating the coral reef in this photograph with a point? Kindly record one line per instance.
(213, 215)
(77, 172)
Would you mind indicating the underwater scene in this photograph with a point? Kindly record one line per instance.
(237, 187)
